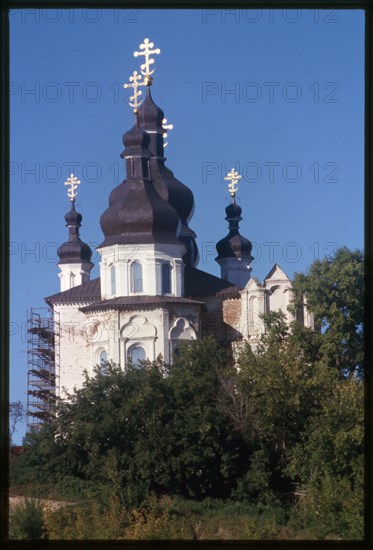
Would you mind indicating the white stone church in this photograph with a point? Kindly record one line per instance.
(150, 295)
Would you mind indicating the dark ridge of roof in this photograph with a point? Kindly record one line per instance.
(135, 301)
(230, 291)
(86, 291)
(200, 283)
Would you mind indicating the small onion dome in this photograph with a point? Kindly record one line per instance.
(149, 115)
(234, 245)
(233, 212)
(137, 214)
(73, 217)
(136, 143)
(74, 250)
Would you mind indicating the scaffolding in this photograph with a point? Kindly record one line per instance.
(43, 362)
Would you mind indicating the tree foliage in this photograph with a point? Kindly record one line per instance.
(144, 432)
(17, 413)
(334, 291)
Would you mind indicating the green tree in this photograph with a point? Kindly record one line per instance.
(334, 291)
(327, 464)
(17, 414)
(143, 432)
(282, 390)
(209, 454)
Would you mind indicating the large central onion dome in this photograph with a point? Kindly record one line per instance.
(137, 213)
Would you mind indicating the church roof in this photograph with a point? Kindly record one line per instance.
(197, 283)
(83, 293)
(125, 302)
(200, 283)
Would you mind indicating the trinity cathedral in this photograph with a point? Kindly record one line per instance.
(150, 295)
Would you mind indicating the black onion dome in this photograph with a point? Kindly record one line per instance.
(233, 212)
(150, 118)
(178, 194)
(73, 217)
(74, 250)
(149, 115)
(136, 142)
(234, 245)
(137, 213)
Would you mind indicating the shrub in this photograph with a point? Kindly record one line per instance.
(26, 521)
(88, 521)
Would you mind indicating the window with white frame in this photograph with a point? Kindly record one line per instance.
(113, 280)
(136, 277)
(137, 354)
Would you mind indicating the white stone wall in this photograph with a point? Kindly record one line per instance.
(74, 347)
(72, 275)
(151, 257)
(275, 294)
(279, 292)
(252, 305)
(83, 336)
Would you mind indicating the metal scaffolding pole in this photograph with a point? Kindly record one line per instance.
(43, 364)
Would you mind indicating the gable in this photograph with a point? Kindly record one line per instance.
(276, 274)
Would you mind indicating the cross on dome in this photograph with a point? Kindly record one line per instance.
(73, 182)
(134, 99)
(145, 67)
(166, 127)
(234, 178)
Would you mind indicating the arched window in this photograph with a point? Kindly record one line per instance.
(113, 280)
(103, 357)
(136, 277)
(137, 355)
(72, 277)
(166, 278)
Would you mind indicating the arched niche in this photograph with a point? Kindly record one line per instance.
(138, 333)
(181, 330)
(138, 327)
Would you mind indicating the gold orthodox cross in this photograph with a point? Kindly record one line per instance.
(145, 67)
(73, 182)
(233, 177)
(166, 127)
(134, 99)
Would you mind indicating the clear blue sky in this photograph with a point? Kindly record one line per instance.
(276, 94)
